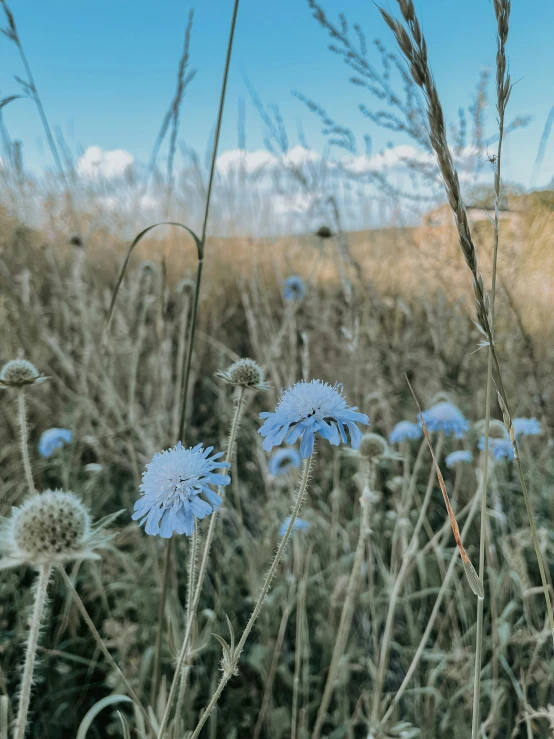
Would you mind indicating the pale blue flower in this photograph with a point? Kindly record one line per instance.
(307, 408)
(283, 460)
(459, 457)
(299, 525)
(498, 448)
(526, 427)
(171, 487)
(53, 439)
(445, 417)
(294, 288)
(405, 431)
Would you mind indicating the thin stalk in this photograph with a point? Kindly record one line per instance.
(236, 652)
(502, 99)
(201, 572)
(348, 607)
(398, 582)
(100, 643)
(190, 595)
(41, 589)
(24, 440)
(160, 622)
(194, 314)
(299, 644)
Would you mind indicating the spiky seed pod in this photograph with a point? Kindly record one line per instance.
(20, 373)
(51, 527)
(373, 446)
(244, 373)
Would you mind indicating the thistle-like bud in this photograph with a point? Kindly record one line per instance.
(373, 447)
(20, 373)
(497, 430)
(51, 527)
(245, 373)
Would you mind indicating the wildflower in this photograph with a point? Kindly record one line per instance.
(53, 439)
(171, 486)
(19, 373)
(445, 417)
(498, 448)
(526, 427)
(307, 408)
(459, 457)
(283, 460)
(51, 527)
(373, 446)
(294, 288)
(299, 525)
(405, 431)
(245, 373)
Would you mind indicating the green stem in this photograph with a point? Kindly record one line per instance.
(24, 441)
(230, 671)
(161, 622)
(190, 595)
(201, 572)
(41, 589)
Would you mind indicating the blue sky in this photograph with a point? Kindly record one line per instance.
(106, 69)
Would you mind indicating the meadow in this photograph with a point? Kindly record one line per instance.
(325, 594)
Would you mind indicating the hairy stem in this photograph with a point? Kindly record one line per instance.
(24, 440)
(41, 588)
(201, 571)
(230, 671)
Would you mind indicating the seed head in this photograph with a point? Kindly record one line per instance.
(19, 373)
(497, 430)
(373, 446)
(50, 527)
(245, 373)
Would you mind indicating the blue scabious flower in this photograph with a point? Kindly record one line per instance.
(405, 431)
(171, 487)
(498, 448)
(299, 525)
(459, 457)
(447, 418)
(53, 439)
(294, 288)
(526, 427)
(307, 408)
(282, 460)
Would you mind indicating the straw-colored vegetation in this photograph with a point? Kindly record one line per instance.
(362, 620)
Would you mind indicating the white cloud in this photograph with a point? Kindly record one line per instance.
(251, 162)
(97, 163)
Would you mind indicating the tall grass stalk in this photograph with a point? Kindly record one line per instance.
(232, 654)
(41, 591)
(412, 44)
(502, 12)
(348, 607)
(185, 647)
(194, 314)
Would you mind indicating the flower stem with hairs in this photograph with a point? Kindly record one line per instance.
(41, 589)
(232, 654)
